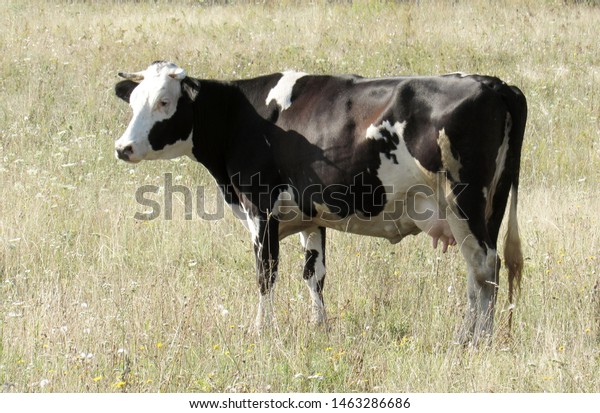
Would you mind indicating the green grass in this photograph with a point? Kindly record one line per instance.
(93, 300)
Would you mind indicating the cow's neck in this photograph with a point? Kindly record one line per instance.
(212, 131)
(227, 130)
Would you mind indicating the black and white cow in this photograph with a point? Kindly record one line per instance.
(389, 157)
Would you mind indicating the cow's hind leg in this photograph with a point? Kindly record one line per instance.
(483, 266)
(313, 241)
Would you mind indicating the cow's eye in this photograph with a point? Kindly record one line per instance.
(162, 104)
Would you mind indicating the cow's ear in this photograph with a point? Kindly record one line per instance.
(124, 88)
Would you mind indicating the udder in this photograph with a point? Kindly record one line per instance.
(431, 221)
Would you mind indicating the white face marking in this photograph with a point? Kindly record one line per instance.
(153, 100)
(282, 92)
(179, 148)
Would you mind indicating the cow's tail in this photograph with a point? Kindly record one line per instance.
(513, 255)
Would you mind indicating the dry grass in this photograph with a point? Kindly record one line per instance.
(93, 300)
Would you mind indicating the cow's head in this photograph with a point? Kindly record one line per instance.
(162, 121)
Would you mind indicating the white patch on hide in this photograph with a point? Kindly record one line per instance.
(282, 92)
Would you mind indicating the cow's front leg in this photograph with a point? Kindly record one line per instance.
(266, 250)
(313, 241)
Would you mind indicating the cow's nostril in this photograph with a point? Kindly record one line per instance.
(125, 152)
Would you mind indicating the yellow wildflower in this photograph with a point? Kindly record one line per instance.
(120, 384)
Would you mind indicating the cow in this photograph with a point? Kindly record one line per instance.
(385, 157)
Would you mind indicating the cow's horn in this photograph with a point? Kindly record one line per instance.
(178, 73)
(137, 76)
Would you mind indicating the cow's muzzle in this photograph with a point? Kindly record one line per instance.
(124, 152)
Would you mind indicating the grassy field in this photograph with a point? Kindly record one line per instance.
(92, 300)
